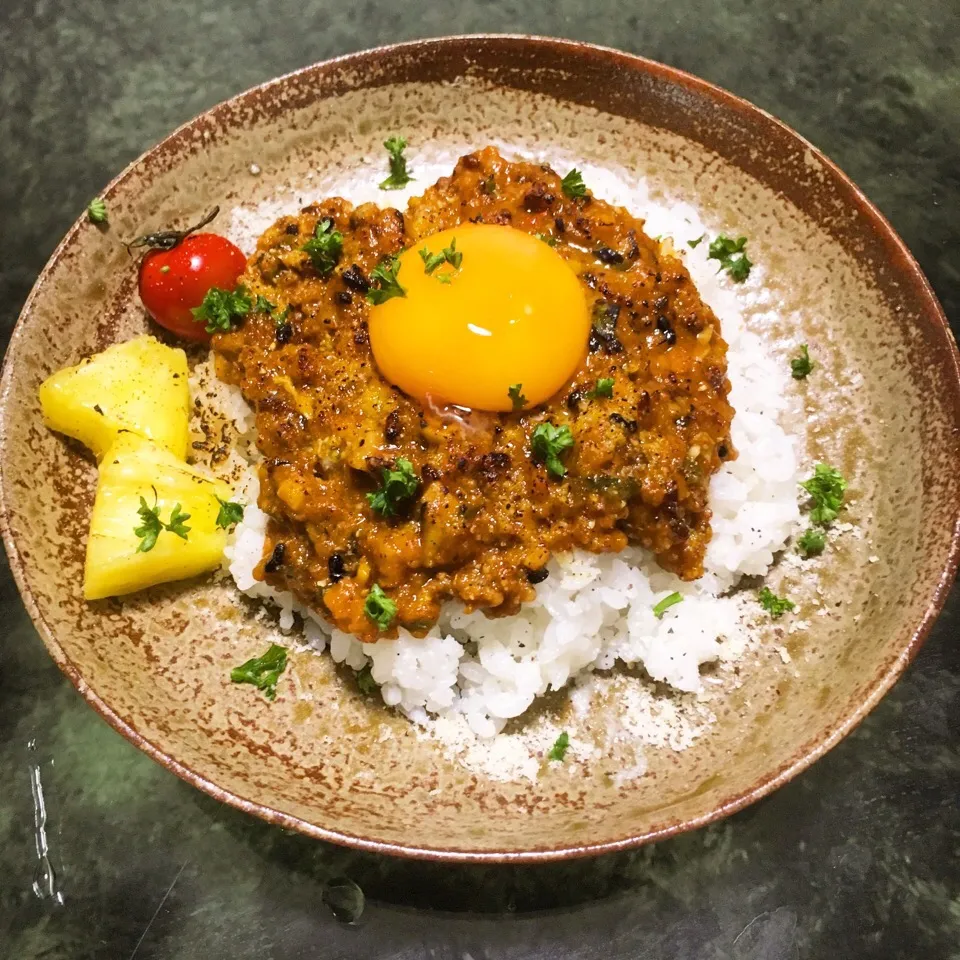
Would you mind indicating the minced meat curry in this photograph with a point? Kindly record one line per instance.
(480, 513)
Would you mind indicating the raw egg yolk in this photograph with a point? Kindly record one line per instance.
(513, 312)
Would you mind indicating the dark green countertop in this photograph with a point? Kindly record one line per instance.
(857, 858)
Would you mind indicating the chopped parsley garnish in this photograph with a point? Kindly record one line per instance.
(548, 442)
(97, 211)
(263, 672)
(662, 606)
(263, 305)
(826, 488)
(489, 185)
(519, 400)
(774, 605)
(384, 276)
(547, 239)
(573, 185)
(151, 526)
(447, 255)
(812, 543)
(559, 750)
(732, 256)
(365, 681)
(230, 513)
(604, 388)
(396, 484)
(178, 522)
(222, 308)
(379, 607)
(693, 244)
(801, 365)
(324, 247)
(399, 175)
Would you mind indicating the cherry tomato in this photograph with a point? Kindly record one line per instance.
(173, 282)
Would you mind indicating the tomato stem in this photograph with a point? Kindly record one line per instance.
(168, 239)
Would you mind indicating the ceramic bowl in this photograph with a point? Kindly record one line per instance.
(325, 761)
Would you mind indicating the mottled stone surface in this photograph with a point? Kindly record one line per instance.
(857, 858)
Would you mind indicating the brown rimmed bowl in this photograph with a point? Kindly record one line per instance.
(321, 760)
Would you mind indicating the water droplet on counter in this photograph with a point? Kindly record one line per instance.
(44, 876)
(344, 899)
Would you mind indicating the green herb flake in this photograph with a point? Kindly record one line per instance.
(489, 185)
(448, 255)
(559, 749)
(97, 211)
(222, 308)
(548, 442)
(379, 607)
(826, 488)
(801, 365)
(264, 671)
(151, 526)
(547, 239)
(774, 605)
(519, 400)
(178, 522)
(604, 388)
(573, 185)
(693, 244)
(263, 305)
(812, 543)
(386, 285)
(662, 606)
(365, 681)
(230, 514)
(324, 247)
(399, 175)
(732, 256)
(397, 484)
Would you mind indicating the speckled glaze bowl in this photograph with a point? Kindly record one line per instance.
(886, 409)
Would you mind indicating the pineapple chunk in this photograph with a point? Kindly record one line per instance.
(135, 468)
(140, 385)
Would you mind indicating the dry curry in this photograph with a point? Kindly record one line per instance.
(479, 511)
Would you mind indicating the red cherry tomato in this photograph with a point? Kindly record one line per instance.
(173, 282)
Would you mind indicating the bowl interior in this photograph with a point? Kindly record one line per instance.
(884, 409)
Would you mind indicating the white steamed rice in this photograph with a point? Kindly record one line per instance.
(595, 610)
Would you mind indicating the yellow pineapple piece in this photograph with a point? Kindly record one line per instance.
(140, 385)
(135, 468)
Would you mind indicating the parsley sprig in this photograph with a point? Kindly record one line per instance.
(151, 526)
(573, 185)
(399, 174)
(221, 309)
(365, 681)
(397, 484)
(97, 211)
(548, 442)
(732, 256)
(559, 749)
(324, 247)
(826, 488)
(263, 671)
(801, 365)
(603, 388)
(230, 514)
(447, 255)
(516, 396)
(774, 605)
(384, 282)
(379, 607)
(812, 543)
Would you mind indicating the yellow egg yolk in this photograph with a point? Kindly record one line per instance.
(512, 313)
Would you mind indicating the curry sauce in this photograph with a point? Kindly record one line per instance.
(486, 515)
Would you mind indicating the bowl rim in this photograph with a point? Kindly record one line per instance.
(885, 677)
